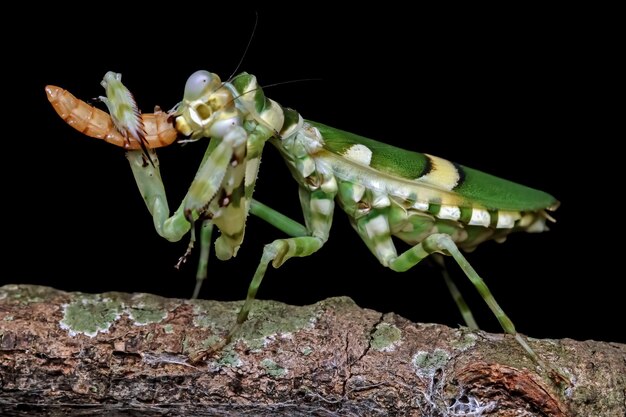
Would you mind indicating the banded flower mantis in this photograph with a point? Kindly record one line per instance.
(435, 206)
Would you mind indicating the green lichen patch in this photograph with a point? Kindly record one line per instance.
(466, 340)
(229, 358)
(211, 341)
(145, 309)
(385, 338)
(191, 346)
(214, 315)
(337, 303)
(426, 363)
(25, 294)
(270, 320)
(273, 369)
(90, 314)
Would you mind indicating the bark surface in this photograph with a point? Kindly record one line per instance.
(120, 354)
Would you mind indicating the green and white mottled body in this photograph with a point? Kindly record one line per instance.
(434, 205)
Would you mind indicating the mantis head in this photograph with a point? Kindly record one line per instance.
(208, 107)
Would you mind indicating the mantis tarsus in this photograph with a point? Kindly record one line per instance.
(435, 206)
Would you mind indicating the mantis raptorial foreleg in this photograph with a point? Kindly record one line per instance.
(123, 110)
(148, 179)
(203, 188)
(149, 182)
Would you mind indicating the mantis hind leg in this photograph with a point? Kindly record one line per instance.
(375, 230)
(464, 309)
(443, 243)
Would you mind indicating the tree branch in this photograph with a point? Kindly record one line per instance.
(125, 354)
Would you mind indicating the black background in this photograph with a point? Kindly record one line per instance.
(508, 93)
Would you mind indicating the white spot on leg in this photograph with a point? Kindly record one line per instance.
(322, 206)
(376, 227)
(359, 153)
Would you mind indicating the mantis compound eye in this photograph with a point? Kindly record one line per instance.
(199, 83)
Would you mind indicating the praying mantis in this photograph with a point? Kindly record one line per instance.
(435, 206)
